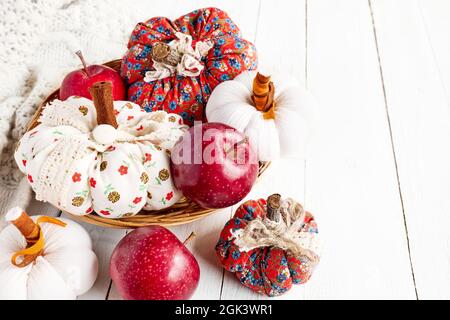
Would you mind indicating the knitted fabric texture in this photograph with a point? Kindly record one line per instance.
(38, 42)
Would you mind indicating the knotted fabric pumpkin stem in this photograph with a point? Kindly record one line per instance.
(102, 97)
(27, 227)
(263, 95)
(162, 53)
(32, 233)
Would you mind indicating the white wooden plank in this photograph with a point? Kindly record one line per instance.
(351, 179)
(435, 14)
(42, 208)
(280, 40)
(208, 229)
(415, 77)
(243, 13)
(277, 53)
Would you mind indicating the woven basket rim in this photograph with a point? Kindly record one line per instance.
(184, 211)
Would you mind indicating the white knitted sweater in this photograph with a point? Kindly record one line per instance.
(38, 39)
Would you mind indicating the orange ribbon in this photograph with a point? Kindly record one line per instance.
(32, 252)
(269, 114)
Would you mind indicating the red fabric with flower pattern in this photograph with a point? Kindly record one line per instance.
(187, 96)
(267, 270)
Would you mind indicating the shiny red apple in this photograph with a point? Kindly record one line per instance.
(78, 82)
(214, 165)
(150, 263)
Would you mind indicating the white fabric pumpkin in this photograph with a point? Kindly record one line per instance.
(81, 167)
(67, 268)
(285, 135)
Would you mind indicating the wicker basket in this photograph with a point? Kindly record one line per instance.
(182, 212)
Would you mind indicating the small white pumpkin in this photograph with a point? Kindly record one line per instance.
(45, 258)
(273, 115)
(103, 156)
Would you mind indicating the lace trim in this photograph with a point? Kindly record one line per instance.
(51, 184)
(157, 129)
(58, 113)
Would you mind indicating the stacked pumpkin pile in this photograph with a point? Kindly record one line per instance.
(198, 123)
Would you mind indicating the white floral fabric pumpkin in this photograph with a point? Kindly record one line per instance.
(82, 167)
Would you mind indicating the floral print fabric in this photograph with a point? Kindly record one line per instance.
(115, 180)
(186, 96)
(267, 270)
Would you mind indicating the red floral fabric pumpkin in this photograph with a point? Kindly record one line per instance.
(270, 252)
(217, 51)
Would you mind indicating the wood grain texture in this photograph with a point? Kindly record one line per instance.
(435, 17)
(414, 54)
(243, 13)
(351, 180)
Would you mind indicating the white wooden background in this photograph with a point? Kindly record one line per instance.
(377, 173)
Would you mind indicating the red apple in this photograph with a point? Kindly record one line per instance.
(150, 263)
(214, 165)
(78, 82)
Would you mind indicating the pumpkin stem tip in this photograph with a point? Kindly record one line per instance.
(13, 214)
(273, 205)
(263, 93)
(262, 78)
(22, 221)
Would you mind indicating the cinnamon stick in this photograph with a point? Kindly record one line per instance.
(31, 232)
(101, 93)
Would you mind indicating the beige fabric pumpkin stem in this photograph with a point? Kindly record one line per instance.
(101, 93)
(31, 232)
(27, 227)
(273, 206)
